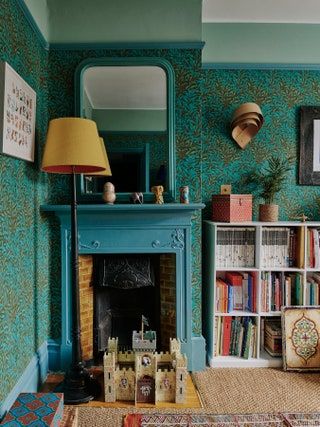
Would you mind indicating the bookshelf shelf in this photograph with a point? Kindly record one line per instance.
(237, 313)
(221, 269)
(292, 248)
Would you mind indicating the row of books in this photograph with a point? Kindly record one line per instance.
(313, 248)
(235, 336)
(282, 247)
(236, 291)
(279, 289)
(312, 289)
(235, 247)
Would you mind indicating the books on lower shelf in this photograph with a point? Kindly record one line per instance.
(236, 291)
(312, 289)
(235, 247)
(235, 336)
(280, 288)
(272, 341)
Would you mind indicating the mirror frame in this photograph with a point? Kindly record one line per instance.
(170, 193)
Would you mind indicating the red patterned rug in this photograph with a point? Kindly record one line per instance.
(207, 420)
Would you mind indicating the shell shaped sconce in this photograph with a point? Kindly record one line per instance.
(246, 123)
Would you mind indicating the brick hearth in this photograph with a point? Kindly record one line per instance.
(167, 282)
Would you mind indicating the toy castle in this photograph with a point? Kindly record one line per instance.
(142, 374)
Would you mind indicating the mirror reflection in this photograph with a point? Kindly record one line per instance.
(129, 105)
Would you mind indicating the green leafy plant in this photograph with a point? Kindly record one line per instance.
(267, 182)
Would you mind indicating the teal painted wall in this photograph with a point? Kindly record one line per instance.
(40, 13)
(280, 94)
(124, 21)
(261, 43)
(130, 120)
(24, 250)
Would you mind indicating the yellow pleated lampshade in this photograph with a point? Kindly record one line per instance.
(107, 171)
(73, 145)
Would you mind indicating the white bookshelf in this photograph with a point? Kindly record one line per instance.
(212, 270)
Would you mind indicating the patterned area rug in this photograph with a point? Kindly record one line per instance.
(206, 420)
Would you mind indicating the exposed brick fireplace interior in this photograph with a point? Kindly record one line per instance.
(115, 290)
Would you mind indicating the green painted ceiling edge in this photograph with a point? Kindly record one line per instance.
(261, 46)
(113, 45)
(208, 47)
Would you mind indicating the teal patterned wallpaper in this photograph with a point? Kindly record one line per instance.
(187, 68)
(24, 286)
(280, 94)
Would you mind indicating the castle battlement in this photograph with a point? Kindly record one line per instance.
(146, 380)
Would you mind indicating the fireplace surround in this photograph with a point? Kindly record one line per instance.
(133, 229)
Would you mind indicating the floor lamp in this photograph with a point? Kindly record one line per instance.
(73, 147)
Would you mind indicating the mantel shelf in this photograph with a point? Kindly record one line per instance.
(117, 208)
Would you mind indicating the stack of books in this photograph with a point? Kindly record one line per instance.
(278, 289)
(237, 291)
(235, 247)
(282, 247)
(273, 337)
(312, 289)
(235, 336)
(313, 248)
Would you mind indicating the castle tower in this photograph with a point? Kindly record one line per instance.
(175, 346)
(181, 378)
(109, 366)
(113, 347)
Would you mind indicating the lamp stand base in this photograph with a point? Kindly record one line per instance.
(79, 386)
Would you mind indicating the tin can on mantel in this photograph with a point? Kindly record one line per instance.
(184, 194)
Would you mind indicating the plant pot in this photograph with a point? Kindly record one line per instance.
(268, 213)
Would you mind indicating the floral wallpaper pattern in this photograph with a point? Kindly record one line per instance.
(25, 285)
(206, 157)
(280, 94)
(186, 64)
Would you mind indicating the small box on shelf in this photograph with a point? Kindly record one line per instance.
(232, 207)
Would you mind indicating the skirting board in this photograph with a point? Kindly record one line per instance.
(34, 375)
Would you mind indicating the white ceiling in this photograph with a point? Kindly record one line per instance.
(126, 87)
(268, 11)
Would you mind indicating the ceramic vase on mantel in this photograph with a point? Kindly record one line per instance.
(268, 213)
(109, 195)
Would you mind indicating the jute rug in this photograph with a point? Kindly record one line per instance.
(258, 390)
(232, 391)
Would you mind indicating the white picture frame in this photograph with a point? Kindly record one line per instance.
(17, 115)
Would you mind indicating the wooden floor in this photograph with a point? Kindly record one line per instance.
(192, 401)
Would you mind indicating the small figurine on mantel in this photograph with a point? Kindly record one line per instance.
(109, 195)
(136, 198)
(158, 190)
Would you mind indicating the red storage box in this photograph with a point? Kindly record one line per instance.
(232, 207)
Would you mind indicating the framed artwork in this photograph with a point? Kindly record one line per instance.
(17, 115)
(301, 338)
(309, 170)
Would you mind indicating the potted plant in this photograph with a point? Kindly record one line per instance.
(266, 183)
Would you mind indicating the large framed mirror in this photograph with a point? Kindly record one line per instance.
(132, 100)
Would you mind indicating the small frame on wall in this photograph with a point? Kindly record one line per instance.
(309, 170)
(300, 338)
(17, 115)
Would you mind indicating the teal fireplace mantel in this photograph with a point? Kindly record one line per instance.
(146, 228)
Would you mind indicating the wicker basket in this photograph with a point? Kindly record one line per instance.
(268, 213)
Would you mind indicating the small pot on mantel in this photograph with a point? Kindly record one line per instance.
(268, 213)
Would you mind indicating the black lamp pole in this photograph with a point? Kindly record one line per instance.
(78, 386)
